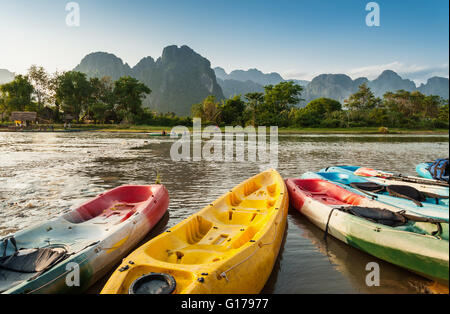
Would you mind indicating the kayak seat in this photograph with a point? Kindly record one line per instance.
(125, 210)
(402, 191)
(33, 260)
(377, 215)
(408, 191)
(26, 264)
(369, 186)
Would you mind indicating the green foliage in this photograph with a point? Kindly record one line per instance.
(104, 101)
(443, 113)
(18, 95)
(3, 107)
(40, 80)
(73, 92)
(168, 119)
(318, 112)
(278, 100)
(254, 100)
(363, 99)
(129, 94)
(277, 107)
(232, 111)
(208, 110)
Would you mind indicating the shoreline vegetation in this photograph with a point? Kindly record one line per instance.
(108, 128)
(101, 104)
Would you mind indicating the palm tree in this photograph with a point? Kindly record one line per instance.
(254, 100)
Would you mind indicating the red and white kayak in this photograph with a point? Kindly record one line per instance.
(418, 244)
(91, 239)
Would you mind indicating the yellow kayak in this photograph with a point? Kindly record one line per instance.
(229, 247)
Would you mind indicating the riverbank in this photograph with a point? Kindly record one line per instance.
(158, 129)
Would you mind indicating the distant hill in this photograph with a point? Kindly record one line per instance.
(341, 86)
(435, 86)
(390, 81)
(100, 64)
(250, 81)
(302, 83)
(178, 79)
(6, 76)
(232, 88)
(253, 75)
(335, 86)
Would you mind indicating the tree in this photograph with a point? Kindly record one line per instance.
(73, 92)
(102, 100)
(321, 106)
(18, 94)
(443, 112)
(3, 106)
(413, 104)
(129, 94)
(254, 100)
(40, 80)
(316, 111)
(363, 99)
(232, 111)
(278, 101)
(283, 95)
(208, 110)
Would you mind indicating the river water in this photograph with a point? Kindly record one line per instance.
(44, 174)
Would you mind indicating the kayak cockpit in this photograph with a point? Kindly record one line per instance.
(120, 203)
(327, 192)
(25, 264)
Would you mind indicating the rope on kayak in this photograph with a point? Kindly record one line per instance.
(258, 246)
(328, 223)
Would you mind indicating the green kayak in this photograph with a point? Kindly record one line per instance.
(418, 244)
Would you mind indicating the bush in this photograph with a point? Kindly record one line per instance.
(383, 130)
(330, 123)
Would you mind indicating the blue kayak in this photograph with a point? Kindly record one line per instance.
(422, 170)
(388, 178)
(358, 185)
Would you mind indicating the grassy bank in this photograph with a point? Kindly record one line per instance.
(152, 128)
(359, 130)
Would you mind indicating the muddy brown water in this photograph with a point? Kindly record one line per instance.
(44, 174)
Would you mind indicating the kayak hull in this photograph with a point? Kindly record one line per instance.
(96, 242)
(422, 170)
(421, 254)
(228, 247)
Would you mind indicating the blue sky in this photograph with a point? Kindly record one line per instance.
(297, 38)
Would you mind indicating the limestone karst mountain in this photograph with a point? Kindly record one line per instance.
(178, 79)
(6, 76)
